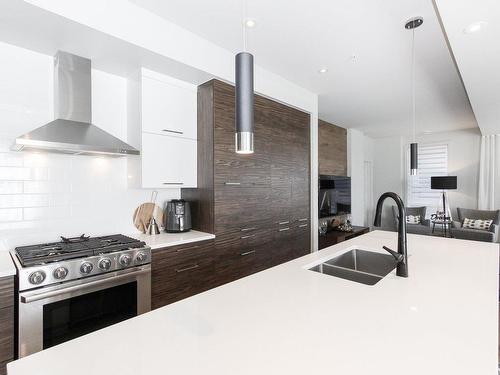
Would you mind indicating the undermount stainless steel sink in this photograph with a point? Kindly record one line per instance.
(362, 266)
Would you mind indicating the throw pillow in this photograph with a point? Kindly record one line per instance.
(410, 219)
(477, 224)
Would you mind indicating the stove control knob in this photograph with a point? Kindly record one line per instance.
(36, 277)
(60, 273)
(140, 257)
(125, 260)
(86, 268)
(104, 264)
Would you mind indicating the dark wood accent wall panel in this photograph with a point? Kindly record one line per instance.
(6, 322)
(257, 205)
(332, 149)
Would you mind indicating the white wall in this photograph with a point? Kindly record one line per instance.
(463, 161)
(46, 195)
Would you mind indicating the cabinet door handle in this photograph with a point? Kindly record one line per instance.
(173, 183)
(304, 219)
(283, 222)
(302, 225)
(249, 236)
(248, 229)
(172, 131)
(179, 270)
(247, 253)
(232, 183)
(283, 229)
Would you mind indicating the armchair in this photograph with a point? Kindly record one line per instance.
(490, 235)
(423, 228)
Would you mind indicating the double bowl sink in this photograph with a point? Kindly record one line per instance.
(362, 266)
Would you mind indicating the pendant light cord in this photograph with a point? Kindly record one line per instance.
(244, 16)
(413, 83)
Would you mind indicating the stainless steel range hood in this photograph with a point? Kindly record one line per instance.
(72, 131)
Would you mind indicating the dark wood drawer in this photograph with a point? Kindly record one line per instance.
(244, 236)
(180, 272)
(6, 291)
(6, 333)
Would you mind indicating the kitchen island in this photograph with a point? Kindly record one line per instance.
(289, 320)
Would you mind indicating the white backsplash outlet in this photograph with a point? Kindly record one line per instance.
(42, 195)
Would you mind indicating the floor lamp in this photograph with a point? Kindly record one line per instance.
(444, 183)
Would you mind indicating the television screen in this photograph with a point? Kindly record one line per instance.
(334, 195)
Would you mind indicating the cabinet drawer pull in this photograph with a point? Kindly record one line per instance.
(304, 219)
(249, 236)
(172, 131)
(187, 248)
(247, 253)
(173, 183)
(283, 222)
(302, 225)
(248, 229)
(179, 270)
(283, 229)
(232, 183)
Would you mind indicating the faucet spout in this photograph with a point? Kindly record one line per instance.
(402, 255)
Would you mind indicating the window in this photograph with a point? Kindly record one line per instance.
(432, 161)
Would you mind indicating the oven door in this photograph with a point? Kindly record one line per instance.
(55, 314)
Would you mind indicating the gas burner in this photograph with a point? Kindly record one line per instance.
(82, 238)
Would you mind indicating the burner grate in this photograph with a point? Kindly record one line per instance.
(76, 247)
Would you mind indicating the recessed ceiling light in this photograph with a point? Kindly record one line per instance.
(250, 23)
(323, 70)
(475, 27)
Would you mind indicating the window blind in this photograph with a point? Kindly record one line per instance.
(432, 161)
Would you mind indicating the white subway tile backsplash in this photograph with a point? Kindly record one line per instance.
(11, 187)
(11, 214)
(11, 159)
(14, 173)
(24, 200)
(45, 213)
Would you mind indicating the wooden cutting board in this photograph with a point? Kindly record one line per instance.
(143, 214)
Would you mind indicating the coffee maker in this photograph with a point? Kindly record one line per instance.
(178, 216)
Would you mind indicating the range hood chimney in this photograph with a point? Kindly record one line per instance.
(72, 131)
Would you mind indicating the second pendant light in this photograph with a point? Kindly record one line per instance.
(412, 24)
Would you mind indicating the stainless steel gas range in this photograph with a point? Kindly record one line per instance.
(70, 288)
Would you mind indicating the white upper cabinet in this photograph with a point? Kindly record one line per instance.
(162, 123)
(168, 107)
(172, 162)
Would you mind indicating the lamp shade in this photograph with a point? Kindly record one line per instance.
(444, 182)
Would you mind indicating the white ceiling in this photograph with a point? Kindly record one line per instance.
(362, 42)
(477, 55)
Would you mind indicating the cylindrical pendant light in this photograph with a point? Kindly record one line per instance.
(244, 97)
(413, 158)
(412, 24)
(244, 103)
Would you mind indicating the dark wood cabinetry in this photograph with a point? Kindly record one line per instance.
(332, 149)
(181, 271)
(6, 322)
(257, 205)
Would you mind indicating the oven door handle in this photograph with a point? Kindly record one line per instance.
(80, 287)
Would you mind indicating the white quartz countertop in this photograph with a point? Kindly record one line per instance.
(164, 239)
(7, 267)
(289, 320)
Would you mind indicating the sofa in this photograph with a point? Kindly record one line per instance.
(490, 235)
(423, 228)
